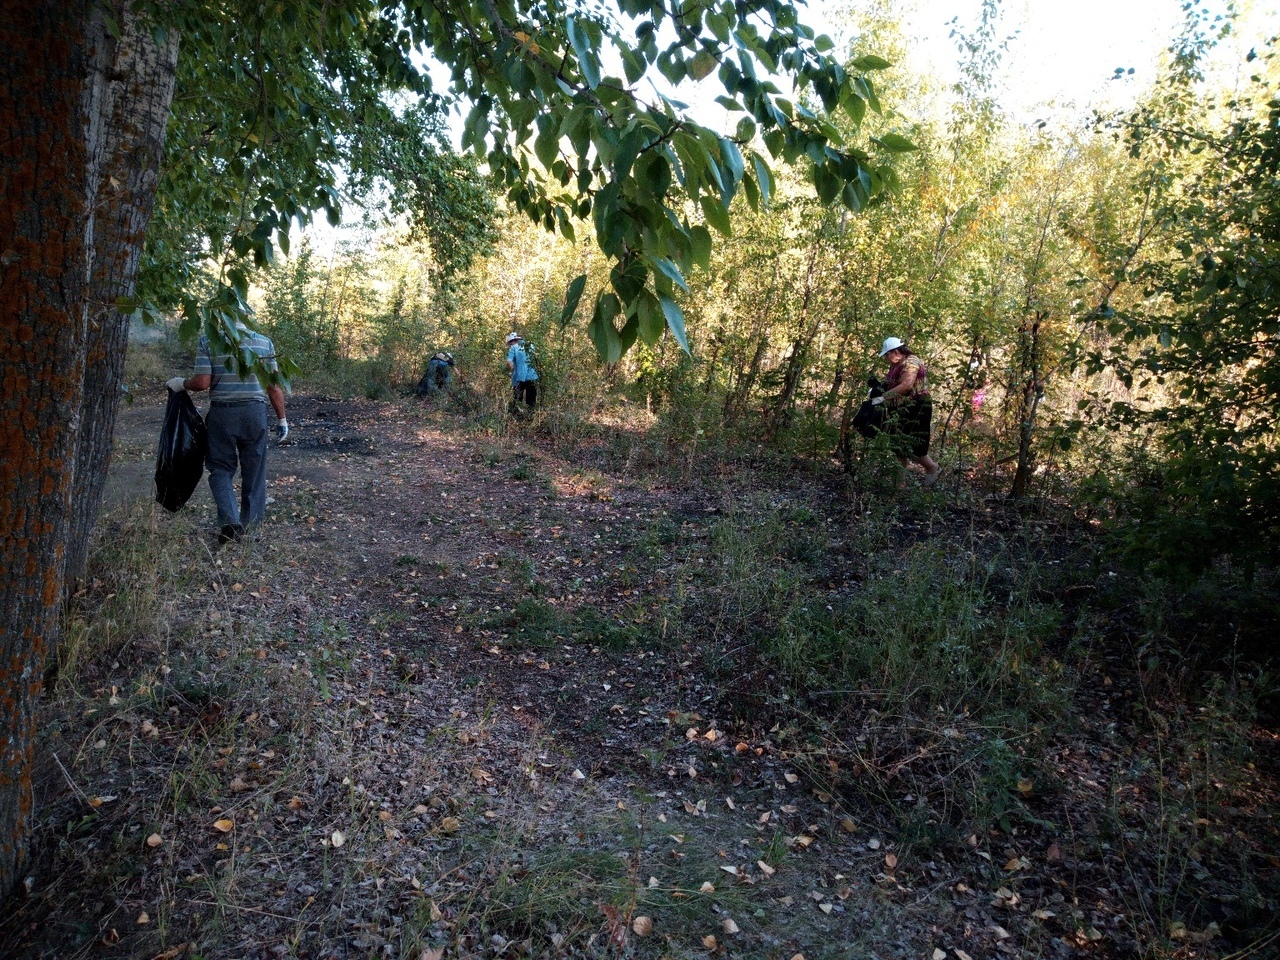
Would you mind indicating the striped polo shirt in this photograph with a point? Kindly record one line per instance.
(227, 386)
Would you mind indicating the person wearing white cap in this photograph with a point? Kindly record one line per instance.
(524, 379)
(910, 408)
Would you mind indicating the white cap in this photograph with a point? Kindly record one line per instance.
(893, 343)
(512, 336)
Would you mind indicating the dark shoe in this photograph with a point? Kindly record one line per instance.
(232, 532)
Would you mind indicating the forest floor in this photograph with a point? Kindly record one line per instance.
(443, 704)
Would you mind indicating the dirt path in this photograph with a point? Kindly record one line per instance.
(437, 705)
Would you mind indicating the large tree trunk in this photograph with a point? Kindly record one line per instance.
(139, 96)
(48, 103)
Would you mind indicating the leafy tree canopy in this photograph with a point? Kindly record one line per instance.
(277, 98)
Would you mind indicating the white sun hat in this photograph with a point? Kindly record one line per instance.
(512, 337)
(893, 343)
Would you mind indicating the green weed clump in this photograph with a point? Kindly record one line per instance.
(936, 676)
(949, 635)
(135, 569)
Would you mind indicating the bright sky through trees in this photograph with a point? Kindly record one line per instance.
(1059, 65)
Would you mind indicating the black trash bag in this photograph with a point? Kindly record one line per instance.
(870, 418)
(180, 457)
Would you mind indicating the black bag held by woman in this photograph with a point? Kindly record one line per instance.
(180, 457)
(869, 420)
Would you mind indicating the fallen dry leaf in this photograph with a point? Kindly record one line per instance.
(642, 926)
(939, 954)
(143, 919)
(224, 825)
(450, 824)
(338, 838)
(710, 942)
(890, 860)
(154, 840)
(730, 927)
(767, 870)
(432, 953)
(707, 887)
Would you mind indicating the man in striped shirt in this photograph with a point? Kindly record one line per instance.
(237, 427)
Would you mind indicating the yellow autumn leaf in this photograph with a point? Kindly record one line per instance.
(224, 825)
(710, 942)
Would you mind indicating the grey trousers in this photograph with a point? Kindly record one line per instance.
(238, 435)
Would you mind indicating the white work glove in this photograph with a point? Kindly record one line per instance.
(876, 401)
(282, 430)
(176, 384)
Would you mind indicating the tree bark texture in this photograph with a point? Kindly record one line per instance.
(810, 321)
(47, 97)
(1029, 403)
(135, 108)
